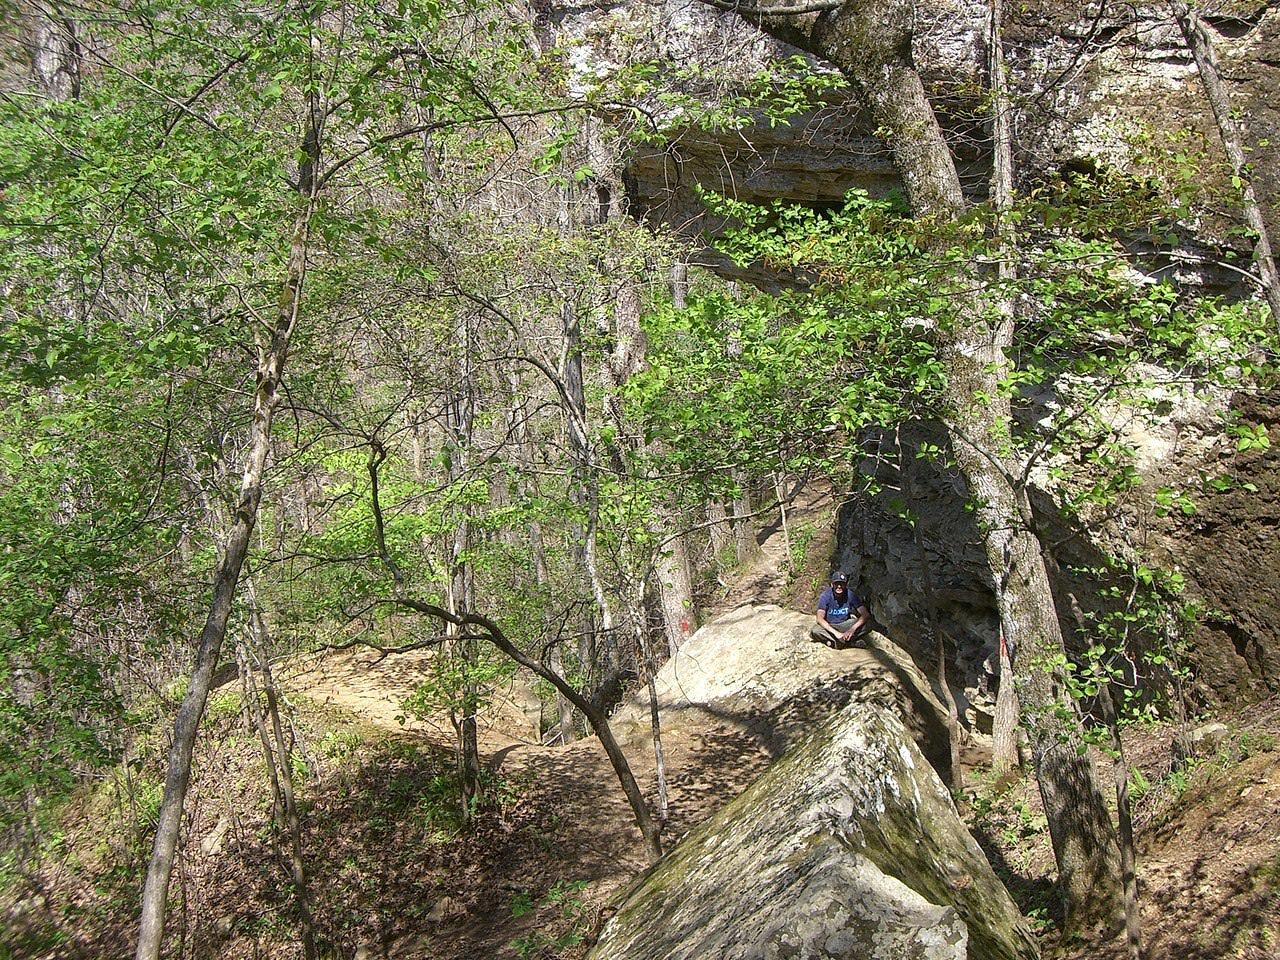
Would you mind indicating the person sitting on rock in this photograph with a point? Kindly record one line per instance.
(841, 613)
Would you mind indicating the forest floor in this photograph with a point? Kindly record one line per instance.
(393, 875)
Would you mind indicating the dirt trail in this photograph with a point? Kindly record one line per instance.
(767, 577)
(373, 687)
(570, 823)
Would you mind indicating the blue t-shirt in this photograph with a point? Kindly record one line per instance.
(839, 611)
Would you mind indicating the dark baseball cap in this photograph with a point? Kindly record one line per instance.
(839, 577)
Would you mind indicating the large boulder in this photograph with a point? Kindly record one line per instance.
(847, 847)
(757, 667)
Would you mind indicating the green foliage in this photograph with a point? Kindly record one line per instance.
(801, 538)
(695, 97)
(459, 679)
(144, 229)
(1138, 785)
(766, 380)
(1251, 437)
(566, 920)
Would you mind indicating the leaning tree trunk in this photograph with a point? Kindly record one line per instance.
(271, 362)
(870, 42)
(1201, 46)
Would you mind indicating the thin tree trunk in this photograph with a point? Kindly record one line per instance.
(649, 830)
(598, 651)
(459, 423)
(566, 722)
(1215, 91)
(537, 549)
(744, 525)
(1004, 740)
(680, 284)
(254, 705)
(284, 762)
(271, 363)
(1124, 819)
(650, 666)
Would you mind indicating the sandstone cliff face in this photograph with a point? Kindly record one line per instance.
(1104, 85)
(1226, 548)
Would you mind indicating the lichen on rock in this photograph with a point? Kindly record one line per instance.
(848, 846)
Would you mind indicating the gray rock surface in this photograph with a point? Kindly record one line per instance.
(1226, 550)
(847, 847)
(756, 666)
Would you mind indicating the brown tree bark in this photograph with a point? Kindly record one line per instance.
(1215, 91)
(869, 41)
(720, 532)
(490, 631)
(599, 647)
(459, 420)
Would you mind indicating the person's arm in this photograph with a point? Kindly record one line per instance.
(826, 627)
(863, 616)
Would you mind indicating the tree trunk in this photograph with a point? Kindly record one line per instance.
(271, 363)
(249, 688)
(870, 42)
(459, 417)
(744, 524)
(1005, 754)
(54, 42)
(1201, 46)
(675, 587)
(649, 830)
(598, 651)
(281, 759)
(720, 532)
(518, 429)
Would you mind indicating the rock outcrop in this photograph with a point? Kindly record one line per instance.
(847, 847)
(1223, 546)
(1094, 87)
(757, 668)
